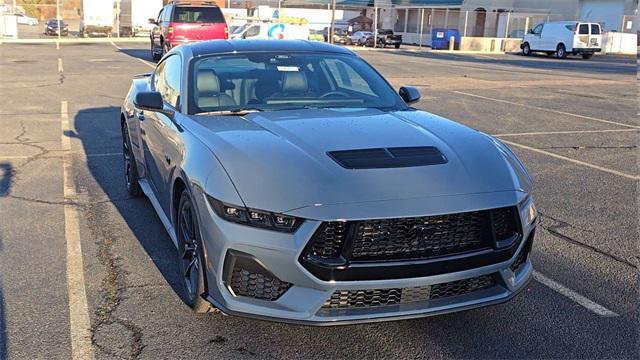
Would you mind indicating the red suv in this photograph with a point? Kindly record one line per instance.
(180, 23)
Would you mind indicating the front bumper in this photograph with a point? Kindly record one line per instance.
(305, 301)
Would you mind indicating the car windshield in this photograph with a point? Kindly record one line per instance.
(266, 81)
(55, 23)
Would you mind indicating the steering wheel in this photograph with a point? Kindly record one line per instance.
(334, 93)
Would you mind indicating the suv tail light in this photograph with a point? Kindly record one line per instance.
(226, 32)
(170, 31)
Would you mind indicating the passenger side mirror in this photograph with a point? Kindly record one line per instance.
(149, 100)
(409, 94)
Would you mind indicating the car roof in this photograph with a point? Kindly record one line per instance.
(230, 46)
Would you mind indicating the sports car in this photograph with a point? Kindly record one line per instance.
(297, 185)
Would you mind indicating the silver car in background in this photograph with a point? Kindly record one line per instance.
(298, 186)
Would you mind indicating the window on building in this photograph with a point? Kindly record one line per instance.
(413, 20)
(399, 26)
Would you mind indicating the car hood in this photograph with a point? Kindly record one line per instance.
(278, 161)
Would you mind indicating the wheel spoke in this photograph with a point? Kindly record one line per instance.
(192, 265)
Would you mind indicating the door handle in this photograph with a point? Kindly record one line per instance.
(140, 115)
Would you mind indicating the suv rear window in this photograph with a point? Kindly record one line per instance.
(198, 14)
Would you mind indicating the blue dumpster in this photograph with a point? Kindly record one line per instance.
(440, 38)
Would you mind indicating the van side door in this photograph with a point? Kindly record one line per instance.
(535, 37)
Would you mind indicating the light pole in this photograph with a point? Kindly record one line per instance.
(58, 19)
(333, 21)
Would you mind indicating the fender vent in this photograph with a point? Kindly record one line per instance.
(388, 158)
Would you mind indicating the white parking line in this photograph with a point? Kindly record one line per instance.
(19, 157)
(151, 65)
(79, 321)
(565, 132)
(596, 167)
(573, 296)
(60, 68)
(548, 110)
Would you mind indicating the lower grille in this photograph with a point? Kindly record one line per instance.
(245, 276)
(522, 257)
(347, 299)
(259, 286)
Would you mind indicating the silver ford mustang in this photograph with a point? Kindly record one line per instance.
(298, 186)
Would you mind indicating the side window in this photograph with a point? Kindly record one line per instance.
(346, 77)
(252, 31)
(167, 14)
(595, 29)
(584, 29)
(538, 29)
(172, 79)
(160, 16)
(167, 80)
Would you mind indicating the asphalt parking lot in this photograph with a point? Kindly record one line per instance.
(64, 207)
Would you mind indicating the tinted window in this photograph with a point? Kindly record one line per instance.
(198, 14)
(584, 29)
(160, 15)
(571, 28)
(279, 81)
(167, 80)
(253, 31)
(595, 29)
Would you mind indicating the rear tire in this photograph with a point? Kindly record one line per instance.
(526, 49)
(397, 46)
(190, 255)
(587, 56)
(561, 51)
(154, 55)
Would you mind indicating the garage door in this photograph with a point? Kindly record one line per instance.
(607, 12)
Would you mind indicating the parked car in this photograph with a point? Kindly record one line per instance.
(51, 28)
(298, 186)
(360, 37)
(562, 38)
(272, 31)
(182, 23)
(26, 20)
(385, 38)
(341, 36)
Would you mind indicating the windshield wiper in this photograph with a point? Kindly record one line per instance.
(236, 112)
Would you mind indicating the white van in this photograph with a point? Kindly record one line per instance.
(271, 30)
(564, 37)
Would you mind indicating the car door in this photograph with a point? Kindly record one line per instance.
(161, 136)
(534, 37)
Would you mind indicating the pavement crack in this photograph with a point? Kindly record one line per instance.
(112, 288)
(560, 224)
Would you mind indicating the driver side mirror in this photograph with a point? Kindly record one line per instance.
(149, 100)
(152, 21)
(409, 94)
(530, 31)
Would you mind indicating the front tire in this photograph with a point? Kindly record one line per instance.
(154, 55)
(130, 169)
(587, 56)
(526, 49)
(190, 255)
(561, 51)
(397, 46)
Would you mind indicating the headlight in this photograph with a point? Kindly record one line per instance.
(254, 217)
(528, 210)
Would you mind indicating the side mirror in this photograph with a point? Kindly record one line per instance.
(149, 100)
(152, 21)
(530, 31)
(409, 94)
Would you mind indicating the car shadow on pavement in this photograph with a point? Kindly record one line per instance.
(6, 178)
(596, 65)
(99, 131)
(142, 54)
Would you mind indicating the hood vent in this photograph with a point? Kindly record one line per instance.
(388, 158)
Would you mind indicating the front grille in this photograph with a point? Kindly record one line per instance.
(412, 238)
(347, 299)
(257, 285)
(522, 257)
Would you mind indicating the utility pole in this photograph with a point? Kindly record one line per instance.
(375, 27)
(333, 20)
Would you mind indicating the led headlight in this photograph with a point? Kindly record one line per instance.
(254, 217)
(528, 210)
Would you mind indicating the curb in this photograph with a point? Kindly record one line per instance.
(74, 40)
